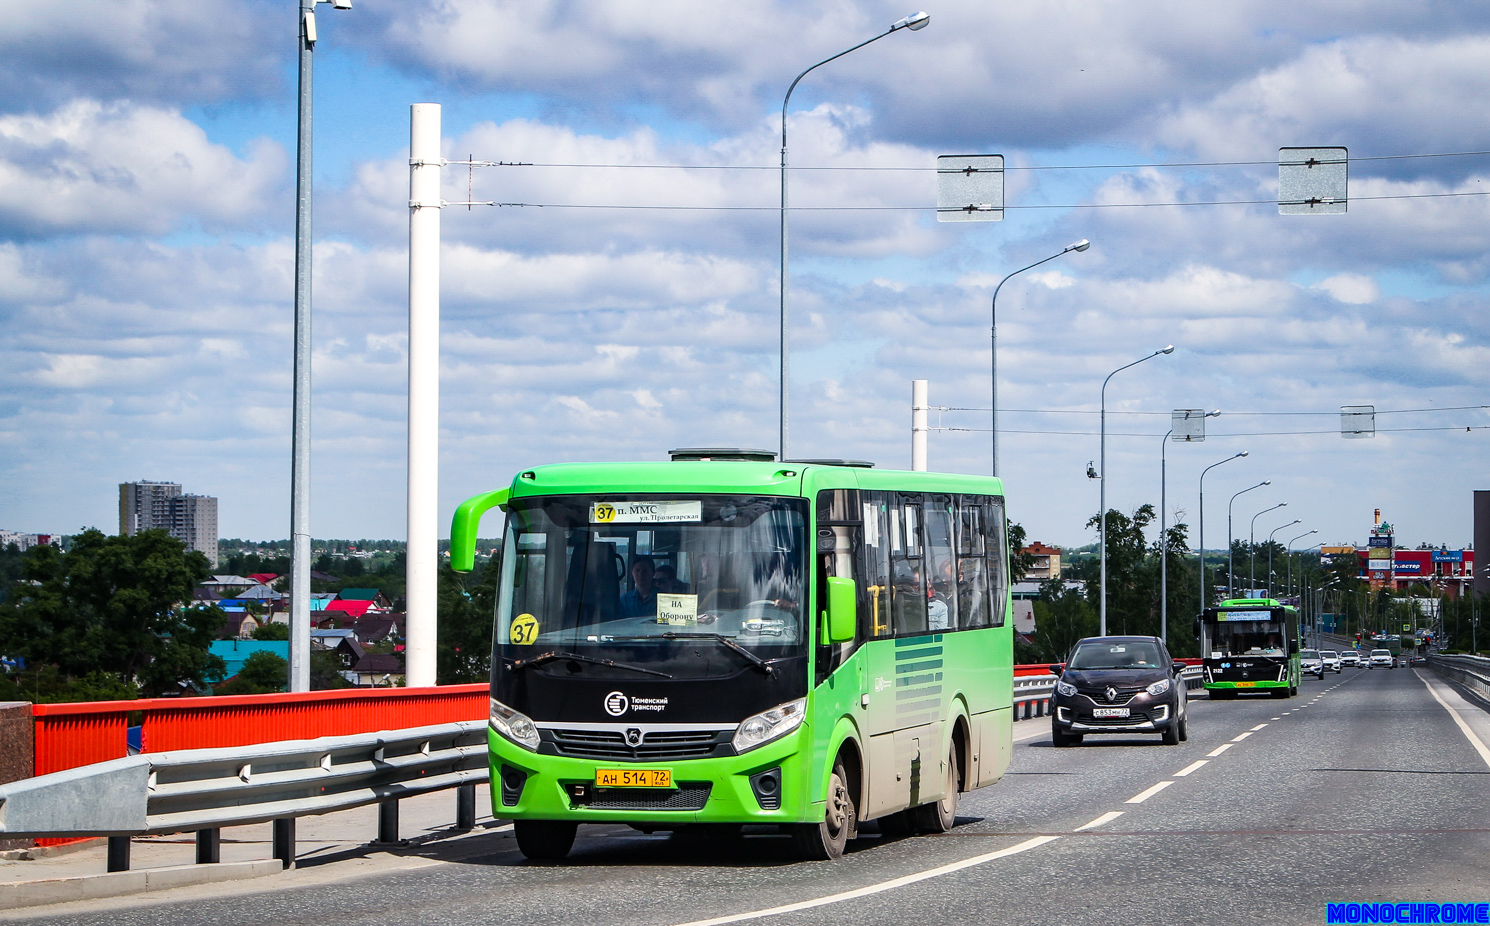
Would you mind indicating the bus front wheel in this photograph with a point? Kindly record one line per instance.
(544, 840)
(825, 840)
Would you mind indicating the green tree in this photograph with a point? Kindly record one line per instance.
(1132, 574)
(272, 631)
(467, 608)
(1020, 563)
(262, 673)
(1062, 616)
(118, 605)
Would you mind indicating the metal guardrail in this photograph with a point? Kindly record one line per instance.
(1032, 693)
(206, 789)
(1473, 672)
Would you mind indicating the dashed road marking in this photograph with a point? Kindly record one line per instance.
(1241, 736)
(1105, 818)
(1147, 793)
(1218, 750)
(1256, 728)
(883, 886)
(1193, 766)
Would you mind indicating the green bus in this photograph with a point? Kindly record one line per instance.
(1250, 644)
(724, 640)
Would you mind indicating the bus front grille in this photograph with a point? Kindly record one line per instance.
(655, 746)
(689, 795)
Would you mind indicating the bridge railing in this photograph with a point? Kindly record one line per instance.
(1473, 672)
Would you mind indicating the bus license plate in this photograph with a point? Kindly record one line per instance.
(1109, 712)
(633, 778)
(1246, 684)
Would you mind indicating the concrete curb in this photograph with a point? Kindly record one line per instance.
(18, 894)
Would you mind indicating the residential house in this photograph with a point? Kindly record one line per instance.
(240, 626)
(379, 601)
(236, 652)
(376, 670)
(1046, 563)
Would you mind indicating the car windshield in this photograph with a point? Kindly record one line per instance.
(1381, 652)
(1309, 654)
(648, 580)
(1131, 654)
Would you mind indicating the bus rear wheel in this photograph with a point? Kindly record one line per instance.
(940, 816)
(825, 840)
(544, 840)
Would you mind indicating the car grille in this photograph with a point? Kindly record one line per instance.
(689, 795)
(1124, 695)
(656, 746)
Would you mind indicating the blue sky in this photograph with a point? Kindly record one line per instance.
(146, 249)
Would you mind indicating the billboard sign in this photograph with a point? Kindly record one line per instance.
(1448, 556)
(1383, 541)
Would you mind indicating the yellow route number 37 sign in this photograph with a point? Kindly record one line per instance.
(524, 630)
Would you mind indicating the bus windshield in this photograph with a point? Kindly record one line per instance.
(1238, 638)
(649, 581)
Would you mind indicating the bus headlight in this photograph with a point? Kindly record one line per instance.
(1065, 688)
(513, 725)
(1159, 687)
(769, 725)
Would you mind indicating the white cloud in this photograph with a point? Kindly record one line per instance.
(1351, 288)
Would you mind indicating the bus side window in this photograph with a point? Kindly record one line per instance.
(874, 566)
(998, 558)
(907, 567)
(941, 565)
(972, 566)
(839, 538)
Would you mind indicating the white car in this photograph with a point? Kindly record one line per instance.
(1331, 660)
(1310, 663)
(1382, 658)
(1350, 658)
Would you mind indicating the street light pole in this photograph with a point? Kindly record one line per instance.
(993, 329)
(1201, 538)
(1102, 454)
(1230, 578)
(1164, 534)
(913, 22)
(1270, 553)
(1252, 545)
(300, 426)
(1288, 557)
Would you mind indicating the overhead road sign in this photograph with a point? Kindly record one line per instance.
(1312, 181)
(1357, 421)
(970, 188)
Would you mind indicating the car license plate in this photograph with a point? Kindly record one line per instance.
(1109, 712)
(1246, 684)
(633, 778)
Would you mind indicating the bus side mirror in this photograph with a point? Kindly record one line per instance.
(1293, 647)
(1196, 628)
(842, 616)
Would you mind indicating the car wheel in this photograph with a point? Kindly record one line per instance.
(940, 816)
(544, 840)
(1171, 734)
(1061, 740)
(1185, 727)
(825, 840)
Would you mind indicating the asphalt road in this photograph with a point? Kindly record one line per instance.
(1363, 788)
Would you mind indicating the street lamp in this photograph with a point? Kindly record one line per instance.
(1270, 553)
(1201, 538)
(1252, 545)
(913, 22)
(1230, 579)
(300, 426)
(1301, 564)
(993, 328)
(1167, 349)
(1164, 536)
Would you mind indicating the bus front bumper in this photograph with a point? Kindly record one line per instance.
(529, 786)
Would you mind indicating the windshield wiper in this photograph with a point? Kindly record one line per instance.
(552, 655)
(758, 662)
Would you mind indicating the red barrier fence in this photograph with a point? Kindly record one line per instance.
(69, 735)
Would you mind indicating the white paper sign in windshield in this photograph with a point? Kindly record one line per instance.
(1244, 615)
(677, 609)
(645, 512)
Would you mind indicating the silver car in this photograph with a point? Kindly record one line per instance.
(1331, 660)
(1382, 659)
(1310, 663)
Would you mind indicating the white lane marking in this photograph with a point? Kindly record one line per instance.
(1277, 718)
(1147, 793)
(1241, 736)
(1192, 767)
(1463, 727)
(500, 829)
(1218, 750)
(1258, 727)
(1105, 818)
(890, 885)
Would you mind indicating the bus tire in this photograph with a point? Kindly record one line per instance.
(896, 825)
(940, 816)
(825, 840)
(544, 840)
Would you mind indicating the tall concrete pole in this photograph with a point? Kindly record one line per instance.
(300, 427)
(424, 394)
(918, 425)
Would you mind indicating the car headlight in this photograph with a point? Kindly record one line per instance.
(769, 725)
(1159, 687)
(1064, 688)
(513, 725)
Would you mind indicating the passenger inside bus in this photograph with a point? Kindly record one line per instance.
(641, 599)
